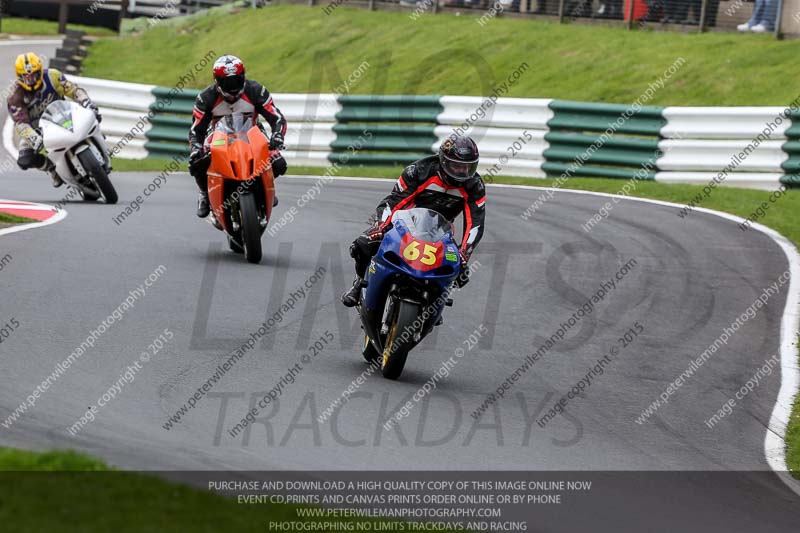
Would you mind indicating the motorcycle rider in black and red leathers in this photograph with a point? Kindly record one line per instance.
(447, 183)
(230, 93)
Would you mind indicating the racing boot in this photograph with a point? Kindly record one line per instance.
(50, 168)
(353, 296)
(203, 208)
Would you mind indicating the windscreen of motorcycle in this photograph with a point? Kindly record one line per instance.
(424, 224)
(235, 123)
(59, 113)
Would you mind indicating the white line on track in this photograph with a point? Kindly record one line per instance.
(8, 138)
(29, 207)
(775, 439)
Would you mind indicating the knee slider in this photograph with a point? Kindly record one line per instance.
(29, 159)
(357, 249)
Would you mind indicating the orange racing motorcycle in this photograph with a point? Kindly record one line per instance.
(241, 185)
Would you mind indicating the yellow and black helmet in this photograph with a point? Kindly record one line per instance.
(29, 71)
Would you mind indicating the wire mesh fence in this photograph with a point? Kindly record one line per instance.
(752, 16)
(757, 16)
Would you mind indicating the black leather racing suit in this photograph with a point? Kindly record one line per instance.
(421, 185)
(210, 106)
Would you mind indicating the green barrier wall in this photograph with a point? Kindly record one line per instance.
(604, 140)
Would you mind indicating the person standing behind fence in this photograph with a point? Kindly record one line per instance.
(763, 20)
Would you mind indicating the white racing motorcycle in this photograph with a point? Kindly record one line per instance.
(75, 145)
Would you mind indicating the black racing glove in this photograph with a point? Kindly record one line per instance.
(366, 245)
(195, 154)
(279, 166)
(88, 104)
(197, 159)
(276, 142)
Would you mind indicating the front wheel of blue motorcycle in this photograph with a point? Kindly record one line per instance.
(400, 339)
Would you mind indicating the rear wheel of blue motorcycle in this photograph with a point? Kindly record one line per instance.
(400, 340)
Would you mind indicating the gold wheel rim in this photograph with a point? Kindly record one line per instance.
(387, 350)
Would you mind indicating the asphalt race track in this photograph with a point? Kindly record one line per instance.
(689, 279)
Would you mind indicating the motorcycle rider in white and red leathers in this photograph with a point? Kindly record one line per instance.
(230, 93)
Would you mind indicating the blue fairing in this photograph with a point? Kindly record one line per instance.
(382, 271)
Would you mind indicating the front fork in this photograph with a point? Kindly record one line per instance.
(72, 156)
(388, 312)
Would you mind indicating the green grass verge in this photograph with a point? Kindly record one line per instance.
(793, 438)
(12, 459)
(68, 491)
(23, 26)
(13, 219)
(573, 62)
(151, 164)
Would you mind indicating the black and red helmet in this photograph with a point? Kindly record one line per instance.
(458, 159)
(229, 77)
